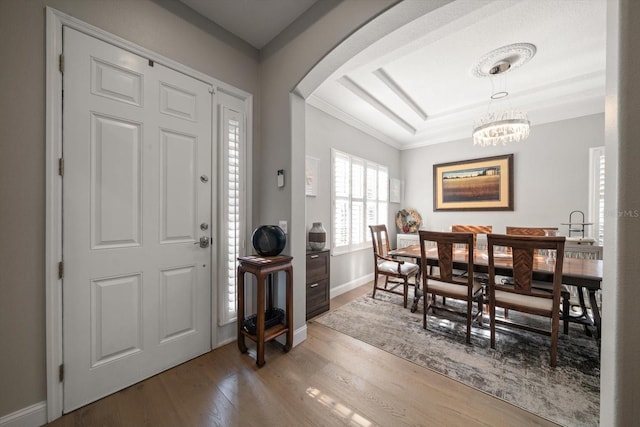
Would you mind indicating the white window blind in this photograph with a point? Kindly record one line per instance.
(233, 209)
(596, 193)
(359, 199)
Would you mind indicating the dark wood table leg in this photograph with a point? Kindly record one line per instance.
(241, 343)
(596, 313)
(260, 320)
(289, 307)
(416, 298)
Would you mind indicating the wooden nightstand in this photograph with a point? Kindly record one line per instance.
(318, 290)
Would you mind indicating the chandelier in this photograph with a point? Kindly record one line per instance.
(502, 126)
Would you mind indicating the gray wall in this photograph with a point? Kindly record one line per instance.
(325, 132)
(282, 144)
(178, 34)
(551, 176)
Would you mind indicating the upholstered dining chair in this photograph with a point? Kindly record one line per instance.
(445, 283)
(522, 296)
(396, 272)
(565, 292)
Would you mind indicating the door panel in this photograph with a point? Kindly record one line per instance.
(115, 82)
(177, 302)
(177, 102)
(116, 318)
(179, 188)
(137, 285)
(115, 182)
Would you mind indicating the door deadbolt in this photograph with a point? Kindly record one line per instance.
(204, 178)
(204, 226)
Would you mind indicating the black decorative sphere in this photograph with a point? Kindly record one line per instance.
(269, 240)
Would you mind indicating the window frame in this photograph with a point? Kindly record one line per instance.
(378, 204)
(597, 211)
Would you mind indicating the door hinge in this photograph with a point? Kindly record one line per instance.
(61, 166)
(60, 270)
(61, 63)
(61, 372)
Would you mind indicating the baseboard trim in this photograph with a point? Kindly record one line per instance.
(299, 335)
(346, 287)
(31, 416)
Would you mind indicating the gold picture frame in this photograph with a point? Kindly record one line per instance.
(484, 184)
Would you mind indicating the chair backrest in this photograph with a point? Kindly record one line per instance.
(475, 229)
(531, 231)
(523, 249)
(380, 239)
(446, 243)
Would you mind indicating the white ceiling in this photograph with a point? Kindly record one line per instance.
(255, 21)
(415, 86)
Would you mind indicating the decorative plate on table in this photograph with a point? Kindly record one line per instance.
(408, 220)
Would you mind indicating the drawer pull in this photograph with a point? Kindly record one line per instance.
(315, 285)
(314, 256)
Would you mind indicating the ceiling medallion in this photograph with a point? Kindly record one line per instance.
(516, 54)
(502, 127)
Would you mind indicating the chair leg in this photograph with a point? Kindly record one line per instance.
(469, 307)
(565, 313)
(480, 309)
(492, 323)
(554, 340)
(375, 285)
(406, 291)
(424, 309)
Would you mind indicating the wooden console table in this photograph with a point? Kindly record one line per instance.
(261, 267)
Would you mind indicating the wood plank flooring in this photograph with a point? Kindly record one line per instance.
(329, 380)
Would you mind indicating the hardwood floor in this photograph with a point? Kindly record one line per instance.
(329, 380)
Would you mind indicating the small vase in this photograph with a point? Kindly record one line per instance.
(317, 236)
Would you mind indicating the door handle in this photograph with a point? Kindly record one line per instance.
(203, 242)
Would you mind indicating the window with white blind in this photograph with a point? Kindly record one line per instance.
(233, 209)
(359, 199)
(596, 193)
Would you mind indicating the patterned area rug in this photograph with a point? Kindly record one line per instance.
(517, 371)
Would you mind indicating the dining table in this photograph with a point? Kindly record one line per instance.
(582, 273)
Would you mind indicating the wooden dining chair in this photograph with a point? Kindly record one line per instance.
(445, 283)
(565, 292)
(396, 272)
(522, 296)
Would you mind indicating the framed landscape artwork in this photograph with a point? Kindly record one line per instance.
(480, 184)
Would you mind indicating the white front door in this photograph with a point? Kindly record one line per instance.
(137, 140)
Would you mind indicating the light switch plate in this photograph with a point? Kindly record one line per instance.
(283, 224)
